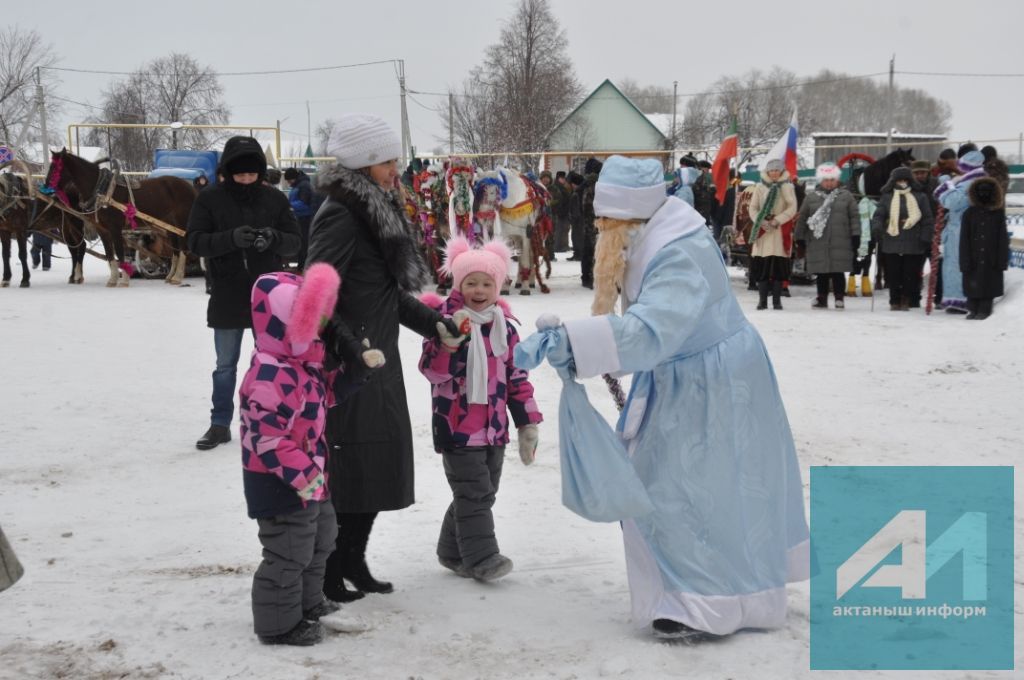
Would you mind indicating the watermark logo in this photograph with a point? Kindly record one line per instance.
(915, 568)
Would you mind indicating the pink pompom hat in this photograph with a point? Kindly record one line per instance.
(462, 259)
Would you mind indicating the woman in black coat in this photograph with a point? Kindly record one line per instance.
(362, 231)
(984, 247)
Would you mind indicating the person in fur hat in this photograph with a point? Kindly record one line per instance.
(829, 225)
(362, 231)
(984, 247)
(903, 224)
(773, 203)
(704, 423)
(474, 388)
(284, 400)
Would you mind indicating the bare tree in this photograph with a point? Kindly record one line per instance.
(524, 87)
(322, 134)
(175, 88)
(21, 53)
(763, 102)
(648, 98)
(581, 134)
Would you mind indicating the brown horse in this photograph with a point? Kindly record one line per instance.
(12, 209)
(166, 198)
(21, 213)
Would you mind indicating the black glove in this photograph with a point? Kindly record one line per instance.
(855, 242)
(265, 238)
(243, 236)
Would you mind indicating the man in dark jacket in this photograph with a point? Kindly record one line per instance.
(300, 196)
(243, 228)
(561, 195)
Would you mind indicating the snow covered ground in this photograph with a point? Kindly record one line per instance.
(139, 555)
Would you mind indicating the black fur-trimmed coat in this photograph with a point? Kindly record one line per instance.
(984, 241)
(361, 230)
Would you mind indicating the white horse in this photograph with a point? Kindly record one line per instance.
(510, 206)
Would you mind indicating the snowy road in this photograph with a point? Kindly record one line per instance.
(139, 555)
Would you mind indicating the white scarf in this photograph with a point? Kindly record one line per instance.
(913, 211)
(820, 217)
(476, 359)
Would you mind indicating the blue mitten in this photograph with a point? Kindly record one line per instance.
(551, 342)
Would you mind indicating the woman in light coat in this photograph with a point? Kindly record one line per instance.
(772, 205)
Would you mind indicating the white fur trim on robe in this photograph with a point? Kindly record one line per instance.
(593, 346)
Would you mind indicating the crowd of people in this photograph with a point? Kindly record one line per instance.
(837, 235)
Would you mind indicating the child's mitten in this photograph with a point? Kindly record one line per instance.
(528, 438)
(310, 489)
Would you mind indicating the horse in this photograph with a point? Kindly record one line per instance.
(22, 213)
(166, 198)
(428, 188)
(12, 209)
(518, 210)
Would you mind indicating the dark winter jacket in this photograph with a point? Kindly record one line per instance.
(217, 211)
(833, 250)
(914, 241)
(361, 230)
(561, 197)
(300, 196)
(984, 240)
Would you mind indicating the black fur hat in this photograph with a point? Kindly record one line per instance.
(901, 173)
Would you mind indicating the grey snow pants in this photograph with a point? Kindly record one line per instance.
(291, 577)
(467, 532)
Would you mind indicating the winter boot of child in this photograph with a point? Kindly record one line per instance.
(777, 295)
(762, 292)
(304, 634)
(455, 565)
(819, 303)
(324, 608)
(851, 286)
(491, 568)
(785, 289)
(865, 286)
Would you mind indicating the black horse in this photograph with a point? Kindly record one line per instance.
(876, 174)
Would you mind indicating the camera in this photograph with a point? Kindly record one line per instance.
(261, 241)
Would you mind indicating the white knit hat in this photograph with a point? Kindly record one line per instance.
(361, 140)
(827, 171)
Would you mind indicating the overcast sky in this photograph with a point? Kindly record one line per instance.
(652, 41)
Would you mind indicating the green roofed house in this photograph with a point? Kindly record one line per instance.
(604, 123)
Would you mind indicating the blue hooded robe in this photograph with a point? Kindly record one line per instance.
(707, 433)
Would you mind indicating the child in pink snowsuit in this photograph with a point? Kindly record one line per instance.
(475, 387)
(284, 399)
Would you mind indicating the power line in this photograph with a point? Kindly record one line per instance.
(225, 74)
(961, 75)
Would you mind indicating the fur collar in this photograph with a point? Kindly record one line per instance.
(383, 212)
(986, 193)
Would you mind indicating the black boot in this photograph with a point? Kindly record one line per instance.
(776, 294)
(217, 434)
(356, 530)
(334, 571)
(762, 291)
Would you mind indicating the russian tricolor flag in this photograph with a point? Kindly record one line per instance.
(785, 148)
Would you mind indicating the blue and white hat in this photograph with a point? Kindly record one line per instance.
(629, 188)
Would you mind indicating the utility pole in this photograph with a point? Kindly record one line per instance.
(675, 98)
(888, 117)
(451, 124)
(41, 105)
(405, 113)
(309, 128)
